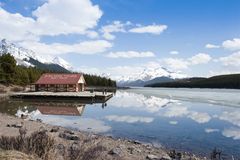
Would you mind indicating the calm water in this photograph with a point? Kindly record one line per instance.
(185, 119)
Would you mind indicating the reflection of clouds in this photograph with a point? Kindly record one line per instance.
(83, 124)
(129, 119)
(176, 111)
(150, 104)
(173, 122)
(199, 117)
(232, 132)
(211, 130)
(181, 111)
(232, 117)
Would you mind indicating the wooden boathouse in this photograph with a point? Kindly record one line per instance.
(60, 83)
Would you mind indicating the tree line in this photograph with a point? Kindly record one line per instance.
(231, 81)
(11, 73)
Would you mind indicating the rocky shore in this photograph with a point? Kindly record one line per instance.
(62, 143)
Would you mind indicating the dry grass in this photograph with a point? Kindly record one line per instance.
(2, 90)
(17, 89)
(15, 155)
(39, 143)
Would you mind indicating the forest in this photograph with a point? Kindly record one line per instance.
(231, 81)
(11, 73)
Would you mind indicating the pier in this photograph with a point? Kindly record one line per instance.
(93, 97)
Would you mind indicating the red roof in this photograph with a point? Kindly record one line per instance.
(53, 78)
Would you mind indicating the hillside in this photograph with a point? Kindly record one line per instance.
(11, 73)
(231, 81)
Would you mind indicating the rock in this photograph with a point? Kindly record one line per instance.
(133, 150)
(68, 132)
(116, 151)
(68, 136)
(54, 129)
(42, 129)
(152, 157)
(39, 120)
(165, 158)
(18, 125)
(137, 142)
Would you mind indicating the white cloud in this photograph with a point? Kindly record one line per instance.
(211, 130)
(129, 119)
(231, 60)
(116, 26)
(211, 46)
(232, 132)
(130, 54)
(153, 29)
(15, 27)
(174, 52)
(200, 58)
(77, 18)
(175, 63)
(232, 44)
(180, 63)
(85, 47)
(63, 17)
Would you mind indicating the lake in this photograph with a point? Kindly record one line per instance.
(194, 120)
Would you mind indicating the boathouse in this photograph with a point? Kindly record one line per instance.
(53, 82)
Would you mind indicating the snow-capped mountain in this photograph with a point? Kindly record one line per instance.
(63, 63)
(150, 75)
(26, 57)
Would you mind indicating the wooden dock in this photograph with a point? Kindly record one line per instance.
(93, 97)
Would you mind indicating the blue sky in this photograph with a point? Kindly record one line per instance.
(122, 37)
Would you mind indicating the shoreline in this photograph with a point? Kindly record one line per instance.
(113, 148)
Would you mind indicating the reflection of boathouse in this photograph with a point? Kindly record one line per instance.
(62, 110)
(60, 83)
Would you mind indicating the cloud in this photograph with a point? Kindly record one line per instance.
(116, 26)
(152, 29)
(130, 54)
(129, 119)
(232, 132)
(231, 60)
(200, 58)
(49, 19)
(211, 46)
(175, 63)
(180, 63)
(232, 44)
(211, 130)
(174, 52)
(64, 17)
(85, 47)
(15, 27)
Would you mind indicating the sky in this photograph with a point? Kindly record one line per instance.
(123, 37)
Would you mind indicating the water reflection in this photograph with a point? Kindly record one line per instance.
(186, 125)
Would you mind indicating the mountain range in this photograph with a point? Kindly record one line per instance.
(150, 75)
(28, 58)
